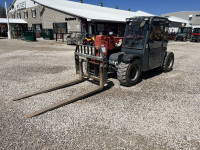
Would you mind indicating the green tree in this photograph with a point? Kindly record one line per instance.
(2, 12)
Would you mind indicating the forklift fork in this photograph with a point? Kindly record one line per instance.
(80, 57)
(70, 83)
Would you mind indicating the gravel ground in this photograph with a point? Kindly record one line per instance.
(160, 112)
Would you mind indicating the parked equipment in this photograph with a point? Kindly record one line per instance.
(172, 35)
(17, 33)
(184, 34)
(74, 38)
(195, 35)
(30, 35)
(144, 47)
(47, 34)
(3, 30)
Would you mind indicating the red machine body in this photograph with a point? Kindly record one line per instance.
(108, 44)
(195, 33)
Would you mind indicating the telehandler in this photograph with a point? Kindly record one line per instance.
(144, 47)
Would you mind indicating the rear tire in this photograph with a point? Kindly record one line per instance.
(129, 74)
(168, 62)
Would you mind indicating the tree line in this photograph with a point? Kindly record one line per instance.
(2, 11)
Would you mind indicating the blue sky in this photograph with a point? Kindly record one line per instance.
(156, 7)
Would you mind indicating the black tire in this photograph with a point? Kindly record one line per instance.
(168, 62)
(129, 74)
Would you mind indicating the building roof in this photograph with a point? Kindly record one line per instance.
(176, 19)
(181, 12)
(91, 12)
(19, 4)
(12, 21)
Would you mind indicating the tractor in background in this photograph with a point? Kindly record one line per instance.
(75, 37)
(184, 34)
(195, 35)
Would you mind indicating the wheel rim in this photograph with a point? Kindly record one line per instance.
(134, 73)
(170, 63)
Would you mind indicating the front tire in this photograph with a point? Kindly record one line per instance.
(129, 74)
(168, 62)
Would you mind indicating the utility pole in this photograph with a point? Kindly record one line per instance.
(9, 36)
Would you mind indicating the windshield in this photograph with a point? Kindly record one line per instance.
(134, 36)
(197, 30)
(182, 30)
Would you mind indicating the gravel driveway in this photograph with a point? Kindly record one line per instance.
(160, 112)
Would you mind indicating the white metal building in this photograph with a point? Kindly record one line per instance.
(64, 16)
(193, 17)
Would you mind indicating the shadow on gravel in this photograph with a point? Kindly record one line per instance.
(151, 73)
(73, 99)
(109, 85)
(145, 75)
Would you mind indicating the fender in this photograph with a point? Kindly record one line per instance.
(129, 58)
(115, 58)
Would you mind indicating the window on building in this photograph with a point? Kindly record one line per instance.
(13, 15)
(19, 15)
(60, 27)
(33, 13)
(198, 15)
(26, 14)
(100, 27)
